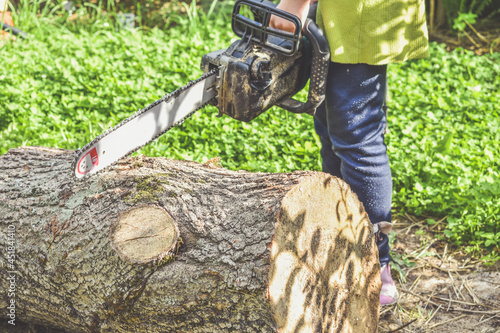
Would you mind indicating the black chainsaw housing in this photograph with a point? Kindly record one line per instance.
(266, 66)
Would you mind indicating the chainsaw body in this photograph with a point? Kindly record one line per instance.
(267, 66)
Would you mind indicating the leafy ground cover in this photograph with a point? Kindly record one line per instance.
(80, 74)
(445, 141)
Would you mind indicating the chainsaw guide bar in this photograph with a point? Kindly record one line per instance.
(144, 126)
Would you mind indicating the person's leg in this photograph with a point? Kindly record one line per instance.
(351, 127)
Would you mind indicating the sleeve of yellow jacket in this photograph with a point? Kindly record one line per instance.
(374, 32)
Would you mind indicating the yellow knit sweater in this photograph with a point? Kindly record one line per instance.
(374, 32)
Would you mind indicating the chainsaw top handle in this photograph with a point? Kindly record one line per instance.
(258, 31)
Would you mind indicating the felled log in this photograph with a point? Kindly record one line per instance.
(157, 245)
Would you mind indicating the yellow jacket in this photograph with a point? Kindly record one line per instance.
(374, 32)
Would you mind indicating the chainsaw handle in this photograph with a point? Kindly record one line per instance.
(258, 30)
(319, 71)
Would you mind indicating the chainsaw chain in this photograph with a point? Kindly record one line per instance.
(165, 98)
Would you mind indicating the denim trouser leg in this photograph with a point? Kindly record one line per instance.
(351, 127)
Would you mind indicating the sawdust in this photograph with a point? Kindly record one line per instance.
(441, 289)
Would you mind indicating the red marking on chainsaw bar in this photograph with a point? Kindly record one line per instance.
(93, 157)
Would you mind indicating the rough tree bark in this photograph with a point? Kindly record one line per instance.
(156, 245)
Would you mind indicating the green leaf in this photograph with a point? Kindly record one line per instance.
(444, 145)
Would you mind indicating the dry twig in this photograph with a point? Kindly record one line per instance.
(447, 321)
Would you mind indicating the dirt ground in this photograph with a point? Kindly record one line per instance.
(441, 290)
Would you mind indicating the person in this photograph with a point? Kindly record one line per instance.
(364, 36)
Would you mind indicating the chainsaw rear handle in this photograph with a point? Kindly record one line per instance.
(319, 71)
(259, 32)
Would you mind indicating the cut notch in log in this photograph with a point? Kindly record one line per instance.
(144, 234)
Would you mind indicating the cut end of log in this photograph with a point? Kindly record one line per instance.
(144, 234)
(324, 274)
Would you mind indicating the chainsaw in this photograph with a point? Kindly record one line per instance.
(265, 67)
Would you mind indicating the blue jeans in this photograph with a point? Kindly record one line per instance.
(351, 125)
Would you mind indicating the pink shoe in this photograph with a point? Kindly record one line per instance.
(389, 293)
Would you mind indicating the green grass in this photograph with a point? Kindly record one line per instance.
(75, 78)
(444, 143)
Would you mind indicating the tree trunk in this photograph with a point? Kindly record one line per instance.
(157, 245)
(441, 20)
